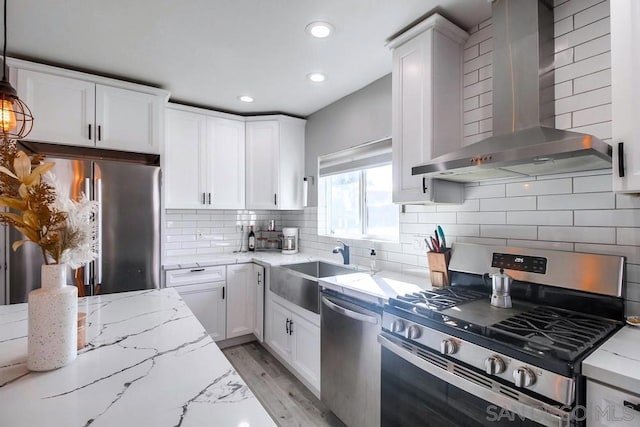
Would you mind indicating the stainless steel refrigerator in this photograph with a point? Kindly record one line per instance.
(128, 224)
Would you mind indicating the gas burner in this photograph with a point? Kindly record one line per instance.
(553, 332)
(439, 299)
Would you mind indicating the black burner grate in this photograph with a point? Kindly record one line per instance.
(549, 331)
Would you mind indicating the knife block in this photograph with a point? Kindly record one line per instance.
(439, 268)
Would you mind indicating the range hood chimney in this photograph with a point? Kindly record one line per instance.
(525, 143)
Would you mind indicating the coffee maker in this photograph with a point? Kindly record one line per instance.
(501, 290)
(290, 240)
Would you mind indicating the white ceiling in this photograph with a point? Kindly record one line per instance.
(208, 52)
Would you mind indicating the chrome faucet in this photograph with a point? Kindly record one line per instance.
(344, 251)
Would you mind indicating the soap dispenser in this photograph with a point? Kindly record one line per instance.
(372, 261)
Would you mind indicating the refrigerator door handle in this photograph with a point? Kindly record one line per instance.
(98, 198)
(87, 269)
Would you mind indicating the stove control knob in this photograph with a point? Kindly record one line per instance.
(397, 326)
(448, 346)
(523, 377)
(494, 365)
(413, 332)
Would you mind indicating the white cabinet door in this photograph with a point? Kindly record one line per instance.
(241, 300)
(258, 331)
(207, 303)
(305, 352)
(426, 102)
(262, 164)
(606, 406)
(183, 183)
(625, 94)
(63, 108)
(226, 170)
(127, 120)
(278, 337)
(410, 74)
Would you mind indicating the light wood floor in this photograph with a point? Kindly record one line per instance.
(286, 399)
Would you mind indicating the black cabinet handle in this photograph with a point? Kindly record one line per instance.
(275, 199)
(634, 406)
(290, 327)
(259, 278)
(287, 326)
(621, 159)
(89, 131)
(99, 133)
(424, 185)
(209, 198)
(203, 200)
(223, 292)
(195, 270)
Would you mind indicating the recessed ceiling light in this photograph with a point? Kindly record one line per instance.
(319, 29)
(316, 77)
(245, 98)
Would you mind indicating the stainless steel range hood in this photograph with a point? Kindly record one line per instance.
(524, 142)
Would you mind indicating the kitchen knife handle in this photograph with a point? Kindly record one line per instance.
(89, 131)
(424, 185)
(621, 159)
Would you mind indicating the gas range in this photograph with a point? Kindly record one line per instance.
(530, 352)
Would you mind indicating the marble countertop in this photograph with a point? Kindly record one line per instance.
(148, 362)
(375, 288)
(617, 361)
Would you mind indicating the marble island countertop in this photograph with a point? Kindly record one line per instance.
(617, 361)
(148, 362)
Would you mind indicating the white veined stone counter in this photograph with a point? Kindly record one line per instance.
(148, 362)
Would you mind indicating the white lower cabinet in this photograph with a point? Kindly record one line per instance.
(609, 406)
(242, 297)
(295, 339)
(207, 303)
(204, 292)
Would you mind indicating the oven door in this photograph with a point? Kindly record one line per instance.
(422, 388)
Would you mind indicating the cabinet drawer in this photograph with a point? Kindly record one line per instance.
(608, 406)
(190, 276)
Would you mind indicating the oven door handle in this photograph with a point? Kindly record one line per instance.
(539, 412)
(349, 313)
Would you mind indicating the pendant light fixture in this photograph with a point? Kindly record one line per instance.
(16, 120)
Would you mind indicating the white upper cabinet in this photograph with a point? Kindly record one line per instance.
(427, 101)
(73, 108)
(204, 160)
(127, 120)
(625, 95)
(275, 162)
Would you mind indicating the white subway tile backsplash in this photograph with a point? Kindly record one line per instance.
(584, 100)
(591, 14)
(564, 57)
(592, 81)
(541, 244)
(540, 217)
(477, 114)
(563, 26)
(479, 36)
(478, 88)
(592, 184)
(477, 63)
(471, 52)
(508, 204)
(524, 232)
(564, 89)
(577, 234)
(583, 68)
(563, 121)
(564, 9)
(486, 46)
(583, 34)
(468, 205)
(485, 72)
(481, 217)
(531, 188)
(437, 218)
(627, 201)
(486, 98)
(612, 218)
(484, 191)
(577, 201)
(471, 103)
(592, 115)
(471, 128)
(628, 236)
(600, 130)
(593, 48)
(631, 252)
(470, 78)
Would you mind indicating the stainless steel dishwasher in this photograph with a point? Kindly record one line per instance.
(350, 359)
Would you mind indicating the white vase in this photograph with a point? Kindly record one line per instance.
(53, 317)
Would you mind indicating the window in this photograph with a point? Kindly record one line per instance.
(355, 194)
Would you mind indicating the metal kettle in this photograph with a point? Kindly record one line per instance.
(501, 289)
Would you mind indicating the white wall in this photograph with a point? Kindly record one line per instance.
(572, 212)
